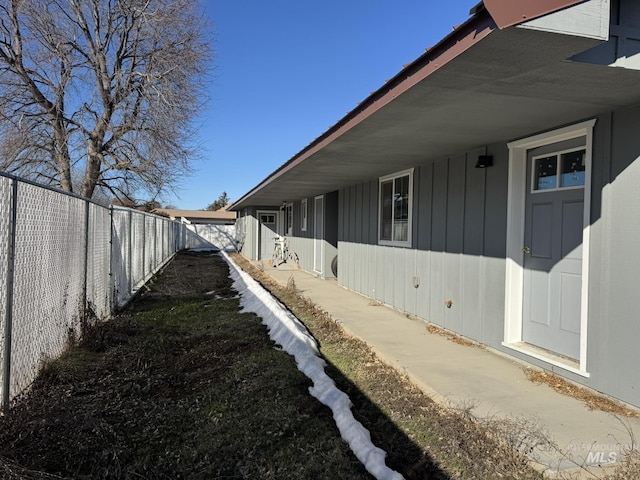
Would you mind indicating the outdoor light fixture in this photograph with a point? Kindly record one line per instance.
(484, 161)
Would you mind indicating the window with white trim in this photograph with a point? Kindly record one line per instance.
(303, 215)
(395, 215)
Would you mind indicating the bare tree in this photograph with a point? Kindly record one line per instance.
(222, 201)
(101, 94)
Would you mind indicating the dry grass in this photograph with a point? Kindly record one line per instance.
(423, 439)
(182, 385)
(592, 400)
(434, 329)
(463, 446)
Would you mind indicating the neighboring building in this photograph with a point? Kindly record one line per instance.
(208, 229)
(536, 254)
(216, 217)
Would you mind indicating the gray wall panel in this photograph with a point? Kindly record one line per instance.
(358, 214)
(352, 213)
(452, 293)
(618, 329)
(473, 241)
(471, 291)
(423, 297)
(436, 290)
(410, 292)
(439, 206)
(365, 212)
(423, 202)
(455, 204)
(495, 203)
(493, 280)
(373, 213)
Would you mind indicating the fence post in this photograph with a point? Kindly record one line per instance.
(8, 326)
(144, 240)
(155, 244)
(112, 276)
(130, 252)
(86, 263)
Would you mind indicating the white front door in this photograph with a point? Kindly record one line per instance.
(552, 260)
(547, 270)
(268, 225)
(318, 235)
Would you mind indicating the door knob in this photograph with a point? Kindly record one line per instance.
(526, 250)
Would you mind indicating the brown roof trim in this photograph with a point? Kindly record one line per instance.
(461, 39)
(507, 13)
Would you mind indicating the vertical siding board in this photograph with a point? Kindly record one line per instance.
(619, 280)
(341, 214)
(357, 221)
(356, 249)
(353, 218)
(423, 269)
(416, 220)
(599, 273)
(410, 293)
(368, 269)
(455, 204)
(495, 212)
(454, 239)
(365, 213)
(387, 274)
(436, 290)
(348, 265)
(373, 213)
(400, 268)
(493, 276)
(380, 273)
(372, 241)
(494, 245)
(472, 296)
(473, 240)
(364, 216)
(438, 241)
(439, 206)
(423, 212)
(473, 246)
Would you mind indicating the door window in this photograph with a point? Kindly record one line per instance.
(559, 170)
(267, 218)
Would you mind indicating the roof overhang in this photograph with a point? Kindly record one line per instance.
(479, 86)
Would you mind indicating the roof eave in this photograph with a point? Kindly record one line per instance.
(459, 40)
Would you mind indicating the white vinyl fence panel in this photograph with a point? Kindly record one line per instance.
(222, 237)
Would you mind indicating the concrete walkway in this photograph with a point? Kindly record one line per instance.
(464, 376)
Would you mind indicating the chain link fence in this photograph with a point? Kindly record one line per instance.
(65, 262)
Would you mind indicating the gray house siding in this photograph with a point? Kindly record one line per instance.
(458, 251)
(614, 329)
(453, 274)
(302, 243)
(458, 244)
(247, 233)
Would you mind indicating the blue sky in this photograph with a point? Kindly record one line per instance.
(285, 71)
